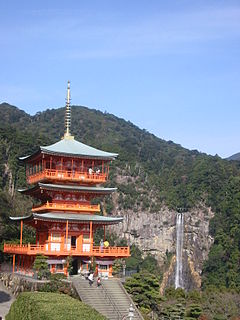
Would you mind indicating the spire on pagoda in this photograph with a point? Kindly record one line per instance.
(67, 134)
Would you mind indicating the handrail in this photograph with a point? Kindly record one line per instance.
(47, 250)
(67, 175)
(115, 308)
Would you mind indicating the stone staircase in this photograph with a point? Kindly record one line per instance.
(110, 299)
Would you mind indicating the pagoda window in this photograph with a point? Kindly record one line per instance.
(53, 164)
(82, 198)
(58, 196)
(47, 164)
(74, 198)
(68, 165)
(59, 267)
(58, 165)
(56, 237)
(86, 237)
(68, 196)
(103, 267)
(86, 227)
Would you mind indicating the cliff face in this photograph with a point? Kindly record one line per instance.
(155, 233)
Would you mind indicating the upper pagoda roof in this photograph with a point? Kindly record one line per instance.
(71, 217)
(64, 187)
(72, 148)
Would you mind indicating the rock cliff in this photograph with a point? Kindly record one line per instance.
(155, 233)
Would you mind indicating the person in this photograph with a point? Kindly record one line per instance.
(101, 245)
(106, 244)
(97, 171)
(90, 171)
(99, 282)
(90, 279)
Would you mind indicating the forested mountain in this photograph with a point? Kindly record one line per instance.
(234, 157)
(174, 176)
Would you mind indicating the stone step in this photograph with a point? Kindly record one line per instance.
(110, 299)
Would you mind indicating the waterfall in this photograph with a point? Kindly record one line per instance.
(179, 251)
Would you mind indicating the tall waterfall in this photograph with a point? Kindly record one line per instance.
(179, 250)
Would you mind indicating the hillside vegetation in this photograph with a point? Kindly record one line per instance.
(159, 172)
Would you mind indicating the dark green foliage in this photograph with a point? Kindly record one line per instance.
(207, 305)
(50, 306)
(41, 267)
(133, 263)
(144, 289)
(194, 311)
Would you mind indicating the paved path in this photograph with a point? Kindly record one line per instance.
(6, 299)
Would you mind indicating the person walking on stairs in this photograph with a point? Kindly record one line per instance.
(90, 279)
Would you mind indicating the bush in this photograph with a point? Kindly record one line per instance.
(50, 306)
(41, 267)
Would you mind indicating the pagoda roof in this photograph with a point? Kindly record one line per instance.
(71, 217)
(73, 188)
(72, 148)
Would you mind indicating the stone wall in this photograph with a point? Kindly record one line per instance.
(16, 284)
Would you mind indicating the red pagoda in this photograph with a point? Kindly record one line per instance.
(65, 177)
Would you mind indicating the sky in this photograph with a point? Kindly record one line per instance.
(170, 67)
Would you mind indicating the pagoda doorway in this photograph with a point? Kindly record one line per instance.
(73, 242)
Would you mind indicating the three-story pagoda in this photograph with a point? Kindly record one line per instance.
(65, 177)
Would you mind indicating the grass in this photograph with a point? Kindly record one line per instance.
(50, 306)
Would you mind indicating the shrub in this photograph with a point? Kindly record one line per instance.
(50, 306)
(41, 267)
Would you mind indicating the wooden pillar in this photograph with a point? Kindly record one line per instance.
(82, 165)
(50, 163)
(61, 163)
(13, 265)
(91, 236)
(21, 232)
(110, 271)
(104, 233)
(66, 234)
(102, 166)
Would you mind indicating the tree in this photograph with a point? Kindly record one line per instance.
(41, 267)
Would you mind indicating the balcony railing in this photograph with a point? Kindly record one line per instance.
(62, 175)
(68, 207)
(31, 249)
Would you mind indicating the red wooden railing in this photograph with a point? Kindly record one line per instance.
(76, 176)
(68, 207)
(31, 249)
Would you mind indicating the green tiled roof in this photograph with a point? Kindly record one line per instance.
(72, 147)
(74, 217)
(46, 186)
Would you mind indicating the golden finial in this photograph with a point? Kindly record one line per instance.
(67, 134)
